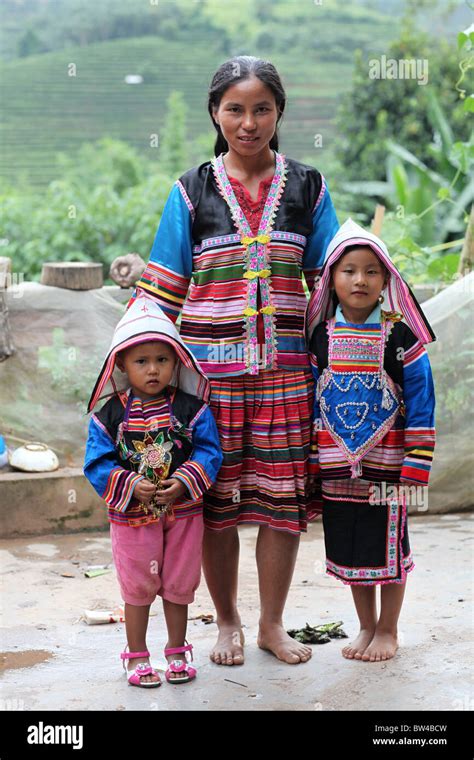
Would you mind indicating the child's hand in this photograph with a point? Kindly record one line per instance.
(172, 489)
(144, 491)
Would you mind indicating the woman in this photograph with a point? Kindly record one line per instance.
(244, 321)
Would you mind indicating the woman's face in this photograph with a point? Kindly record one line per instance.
(247, 115)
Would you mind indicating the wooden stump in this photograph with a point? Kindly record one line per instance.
(73, 275)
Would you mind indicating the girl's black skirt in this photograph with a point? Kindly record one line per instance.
(366, 543)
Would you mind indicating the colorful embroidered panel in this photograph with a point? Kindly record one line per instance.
(358, 401)
(206, 257)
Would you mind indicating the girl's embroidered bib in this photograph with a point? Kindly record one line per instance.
(358, 400)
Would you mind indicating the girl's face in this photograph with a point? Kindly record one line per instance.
(358, 279)
(149, 367)
(247, 115)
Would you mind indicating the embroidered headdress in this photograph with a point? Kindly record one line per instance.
(397, 294)
(145, 321)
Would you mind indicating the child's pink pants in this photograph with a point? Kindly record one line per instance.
(161, 558)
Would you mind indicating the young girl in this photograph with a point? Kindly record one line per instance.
(373, 431)
(152, 452)
(245, 227)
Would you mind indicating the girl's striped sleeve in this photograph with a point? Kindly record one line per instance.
(102, 469)
(419, 400)
(169, 270)
(199, 472)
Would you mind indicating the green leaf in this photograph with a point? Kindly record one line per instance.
(443, 193)
(402, 185)
(469, 104)
(410, 158)
(444, 267)
(462, 39)
(366, 188)
(462, 155)
(439, 121)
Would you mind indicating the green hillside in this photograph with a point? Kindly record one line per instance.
(50, 111)
(46, 110)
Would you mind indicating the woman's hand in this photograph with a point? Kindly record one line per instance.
(144, 491)
(172, 489)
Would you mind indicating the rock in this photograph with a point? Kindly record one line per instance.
(126, 270)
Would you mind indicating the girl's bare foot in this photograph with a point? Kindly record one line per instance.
(132, 664)
(382, 647)
(356, 648)
(229, 647)
(275, 639)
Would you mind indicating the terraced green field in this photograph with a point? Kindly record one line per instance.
(45, 110)
(49, 111)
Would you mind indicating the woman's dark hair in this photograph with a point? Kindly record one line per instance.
(237, 69)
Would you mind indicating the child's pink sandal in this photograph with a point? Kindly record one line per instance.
(180, 666)
(141, 670)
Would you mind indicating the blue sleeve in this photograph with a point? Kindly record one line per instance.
(325, 226)
(200, 471)
(173, 242)
(169, 270)
(102, 468)
(419, 401)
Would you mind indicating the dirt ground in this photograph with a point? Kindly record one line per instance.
(53, 660)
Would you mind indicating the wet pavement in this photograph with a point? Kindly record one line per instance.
(53, 660)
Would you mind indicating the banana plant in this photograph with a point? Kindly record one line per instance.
(438, 197)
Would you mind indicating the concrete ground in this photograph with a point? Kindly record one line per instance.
(55, 661)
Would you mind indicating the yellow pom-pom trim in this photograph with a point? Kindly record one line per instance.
(259, 239)
(268, 310)
(249, 312)
(252, 274)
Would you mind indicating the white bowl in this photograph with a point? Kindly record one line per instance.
(34, 457)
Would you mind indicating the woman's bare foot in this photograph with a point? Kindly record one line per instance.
(275, 639)
(229, 647)
(132, 664)
(382, 647)
(356, 648)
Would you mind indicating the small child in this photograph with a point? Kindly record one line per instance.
(373, 428)
(152, 452)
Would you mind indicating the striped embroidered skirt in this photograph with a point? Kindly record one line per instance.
(264, 428)
(366, 541)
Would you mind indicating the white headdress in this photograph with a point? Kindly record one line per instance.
(145, 321)
(397, 293)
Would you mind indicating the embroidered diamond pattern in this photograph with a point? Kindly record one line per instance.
(347, 413)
